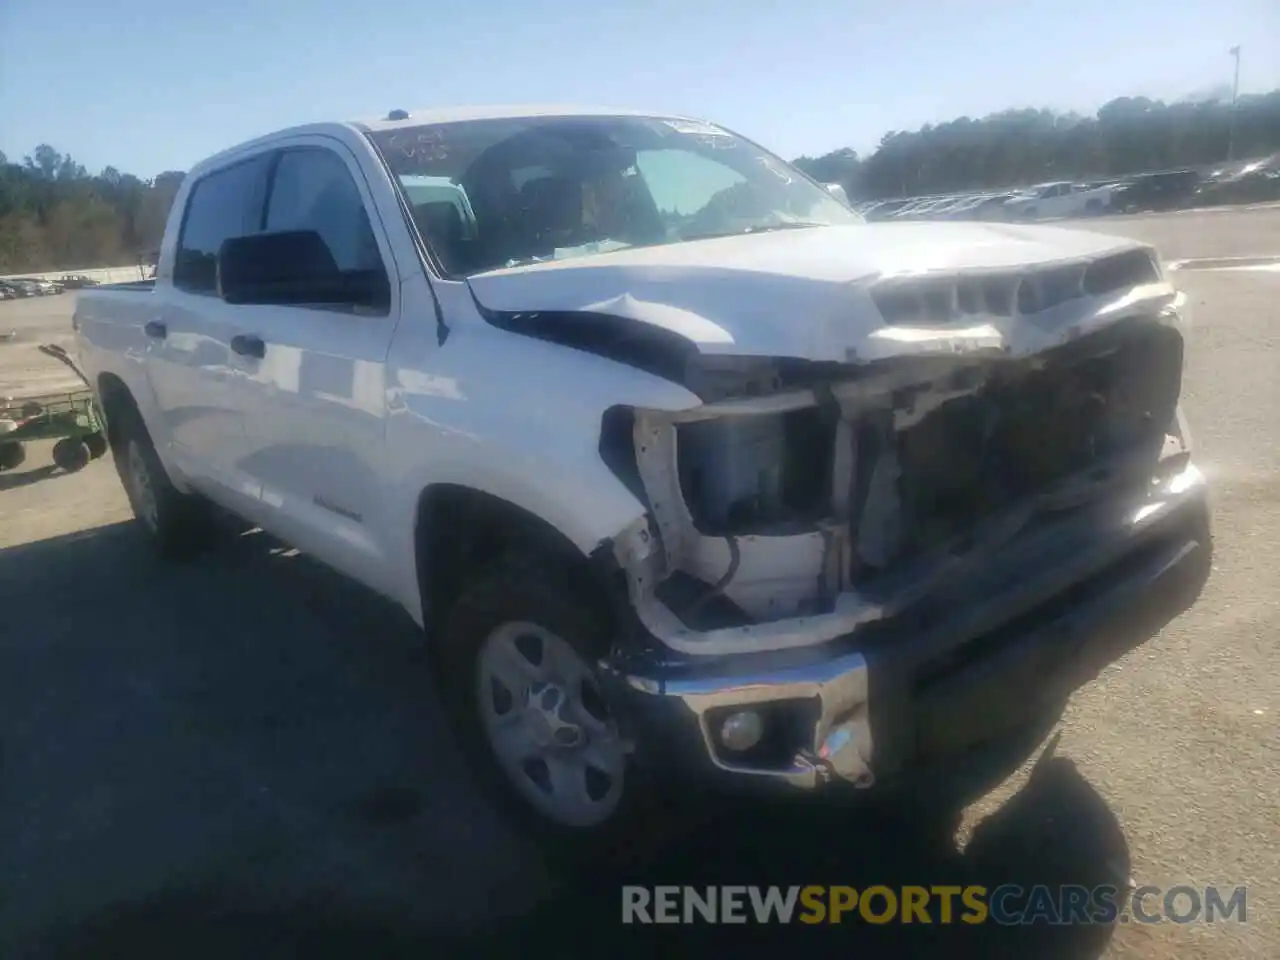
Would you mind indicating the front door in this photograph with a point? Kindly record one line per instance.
(314, 404)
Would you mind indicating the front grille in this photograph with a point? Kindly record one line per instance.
(945, 301)
(1106, 399)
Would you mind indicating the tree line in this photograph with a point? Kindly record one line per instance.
(1020, 147)
(55, 215)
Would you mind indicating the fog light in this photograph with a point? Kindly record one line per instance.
(741, 731)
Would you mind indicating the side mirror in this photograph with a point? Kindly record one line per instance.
(837, 191)
(292, 267)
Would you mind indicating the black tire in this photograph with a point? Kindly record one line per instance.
(519, 591)
(180, 525)
(96, 443)
(71, 454)
(12, 454)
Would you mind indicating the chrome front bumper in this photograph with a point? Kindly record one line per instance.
(877, 704)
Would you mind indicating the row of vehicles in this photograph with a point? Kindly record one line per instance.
(16, 288)
(1059, 199)
(1242, 182)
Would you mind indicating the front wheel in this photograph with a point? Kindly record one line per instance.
(520, 650)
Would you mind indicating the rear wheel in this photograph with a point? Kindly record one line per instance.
(178, 524)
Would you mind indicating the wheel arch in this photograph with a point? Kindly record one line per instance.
(461, 531)
(117, 401)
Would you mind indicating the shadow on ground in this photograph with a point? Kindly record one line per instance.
(11, 479)
(1057, 831)
(241, 758)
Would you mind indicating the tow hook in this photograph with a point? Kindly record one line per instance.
(839, 757)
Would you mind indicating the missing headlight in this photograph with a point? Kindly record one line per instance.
(753, 474)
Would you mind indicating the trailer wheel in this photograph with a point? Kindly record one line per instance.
(11, 454)
(96, 443)
(71, 454)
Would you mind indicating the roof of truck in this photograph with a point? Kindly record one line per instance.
(419, 117)
(512, 112)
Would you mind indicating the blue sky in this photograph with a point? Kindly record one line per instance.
(150, 85)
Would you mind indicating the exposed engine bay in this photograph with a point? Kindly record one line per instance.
(840, 497)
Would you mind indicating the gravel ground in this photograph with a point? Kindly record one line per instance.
(241, 757)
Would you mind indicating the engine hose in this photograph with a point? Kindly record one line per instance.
(718, 588)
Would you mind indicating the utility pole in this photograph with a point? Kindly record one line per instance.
(1235, 95)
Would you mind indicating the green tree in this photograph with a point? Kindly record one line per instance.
(55, 215)
(1024, 146)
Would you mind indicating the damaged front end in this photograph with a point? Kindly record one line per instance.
(939, 494)
(828, 497)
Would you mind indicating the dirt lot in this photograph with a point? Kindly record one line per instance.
(241, 758)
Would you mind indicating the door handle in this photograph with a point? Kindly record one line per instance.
(247, 345)
(155, 329)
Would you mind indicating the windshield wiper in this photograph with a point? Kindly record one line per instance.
(757, 228)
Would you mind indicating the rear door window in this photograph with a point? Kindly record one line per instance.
(223, 204)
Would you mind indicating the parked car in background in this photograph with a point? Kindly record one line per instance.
(991, 208)
(42, 287)
(1166, 190)
(960, 209)
(937, 209)
(883, 209)
(77, 281)
(1255, 182)
(918, 208)
(23, 288)
(1060, 199)
(7, 292)
(838, 191)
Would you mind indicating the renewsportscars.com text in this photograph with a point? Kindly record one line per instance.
(1008, 905)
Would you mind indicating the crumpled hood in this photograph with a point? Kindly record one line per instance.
(802, 293)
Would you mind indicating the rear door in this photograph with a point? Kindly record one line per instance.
(1058, 202)
(192, 369)
(314, 403)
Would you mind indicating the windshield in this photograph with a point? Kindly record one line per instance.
(487, 194)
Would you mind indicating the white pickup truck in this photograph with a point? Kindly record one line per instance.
(690, 475)
(1062, 199)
